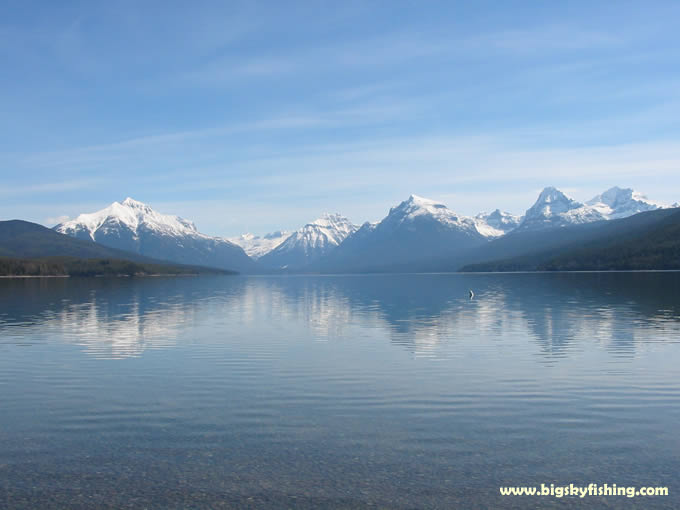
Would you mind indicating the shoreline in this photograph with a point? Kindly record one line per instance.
(10, 277)
(184, 275)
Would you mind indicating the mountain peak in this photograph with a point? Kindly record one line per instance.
(131, 202)
(496, 223)
(310, 242)
(136, 227)
(420, 209)
(622, 202)
(131, 215)
(417, 198)
(612, 196)
(555, 201)
(551, 194)
(555, 209)
(422, 201)
(330, 219)
(415, 205)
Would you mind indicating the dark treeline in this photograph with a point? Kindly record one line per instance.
(33, 267)
(655, 246)
(660, 249)
(70, 266)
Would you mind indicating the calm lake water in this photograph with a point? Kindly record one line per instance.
(386, 391)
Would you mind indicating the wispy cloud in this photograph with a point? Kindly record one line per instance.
(544, 39)
(362, 180)
(109, 153)
(50, 187)
(56, 220)
(235, 104)
(398, 48)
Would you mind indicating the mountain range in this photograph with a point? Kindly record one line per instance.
(309, 243)
(415, 229)
(555, 209)
(417, 234)
(647, 240)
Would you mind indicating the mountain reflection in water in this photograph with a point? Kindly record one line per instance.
(373, 391)
(118, 318)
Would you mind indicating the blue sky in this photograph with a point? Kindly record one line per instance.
(262, 115)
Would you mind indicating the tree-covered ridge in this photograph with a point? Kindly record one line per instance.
(629, 244)
(29, 249)
(70, 266)
(658, 248)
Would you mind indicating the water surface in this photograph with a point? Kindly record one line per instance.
(385, 391)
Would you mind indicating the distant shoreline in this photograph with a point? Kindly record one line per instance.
(548, 271)
(10, 277)
(161, 275)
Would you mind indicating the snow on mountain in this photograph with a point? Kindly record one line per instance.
(555, 209)
(310, 243)
(256, 246)
(328, 231)
(621, 203)
(418, 207)
(131, 215)
(497, 223)
(133, 226)
(494, 224)
(415, 231)
(419, 212)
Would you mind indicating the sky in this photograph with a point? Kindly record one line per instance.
(260, 116)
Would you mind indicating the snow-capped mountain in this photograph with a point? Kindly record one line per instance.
(419, 208)
(133, 226)
(497, 223)
(310, 243)
(414, 231)
(555, 209)
(130, 215)
(621, 203)
(256, 246)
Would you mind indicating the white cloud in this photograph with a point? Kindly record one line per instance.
(57, 220)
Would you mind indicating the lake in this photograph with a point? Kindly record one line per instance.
(367, 391)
